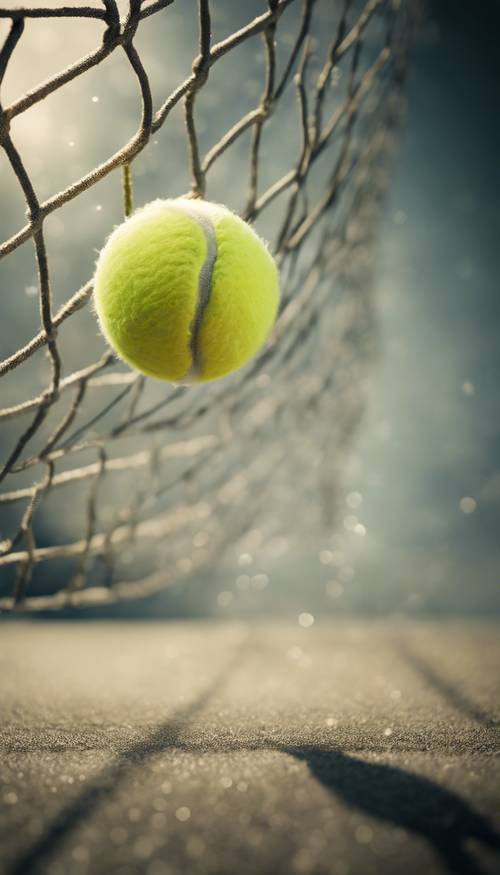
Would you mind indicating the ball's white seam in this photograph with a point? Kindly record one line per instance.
(204, 286)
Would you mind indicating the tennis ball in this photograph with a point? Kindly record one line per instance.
(185, 291)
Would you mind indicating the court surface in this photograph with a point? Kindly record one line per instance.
(348, 748)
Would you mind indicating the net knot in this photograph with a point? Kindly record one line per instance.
(266, 109)
(49, 397)
(200, 69)
(51, 333)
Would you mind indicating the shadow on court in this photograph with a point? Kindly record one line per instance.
(442, 685)
(388, 793)
(405, 800)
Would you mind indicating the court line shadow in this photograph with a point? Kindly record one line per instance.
(405, 800)
(456, 698)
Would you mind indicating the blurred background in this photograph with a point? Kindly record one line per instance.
(428, 454)
(418, 503)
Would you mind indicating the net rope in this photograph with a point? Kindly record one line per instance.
(186, 472)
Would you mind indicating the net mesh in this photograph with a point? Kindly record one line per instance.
(115, 486)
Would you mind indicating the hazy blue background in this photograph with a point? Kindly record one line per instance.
(433, 436)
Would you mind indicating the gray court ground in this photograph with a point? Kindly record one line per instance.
(348, 748)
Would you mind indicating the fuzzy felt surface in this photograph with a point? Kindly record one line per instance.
(146, 287)
(244, 299)
(146, 291)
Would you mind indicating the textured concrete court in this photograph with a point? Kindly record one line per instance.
(350, 748)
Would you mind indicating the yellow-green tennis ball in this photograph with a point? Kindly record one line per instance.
(185, 291)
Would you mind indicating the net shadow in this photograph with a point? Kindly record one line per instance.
(456, 698)
(405, 800)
